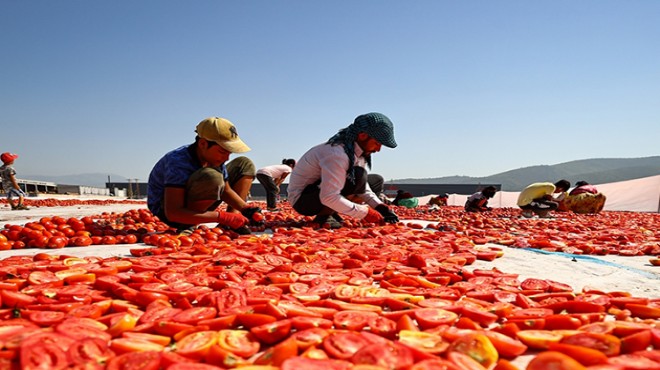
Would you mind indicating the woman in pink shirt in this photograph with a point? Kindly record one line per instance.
(271, 177)
(585, 198)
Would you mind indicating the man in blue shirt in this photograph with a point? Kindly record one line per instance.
(187, 184)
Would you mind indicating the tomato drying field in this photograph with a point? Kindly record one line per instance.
(99, 284)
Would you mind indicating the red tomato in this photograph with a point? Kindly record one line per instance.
(343, 345)
(608, 344)
(382, 326)
(388, 355)
(147, 360)
(478, 346)
(583, 355)
(239, 342)
(90, 350)
(298, 363)
(352, 320)
(423, 341)
(197, 345)
(554, 360)
(272, 332)
(194, 314)
(506, 346)
(276, 355)
(431, 317)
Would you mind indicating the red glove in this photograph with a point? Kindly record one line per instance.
(231, 219)
(373, 217)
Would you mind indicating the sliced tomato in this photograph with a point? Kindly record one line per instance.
(221, 357)
(463, 361)
(423, 341)
(90, 350)
(352, 320)
(554, 360)
(506, 346)
(197, 345)
(310, 337)
(434, 364)
(128, 344)
(273, 332)
(636, 342)
(43, 356)
(382, 326)
(606, 343)
(239, 342)
(305, 322)
(538, 339)
(343, 345)
(478, 346)
(585, 356)
(388, 355)
(276, 355)
(47, 318)
(298, 363)
(193, 315)
(147, 360)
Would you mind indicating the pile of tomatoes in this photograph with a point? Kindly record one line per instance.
(52, 202)
(361, 298)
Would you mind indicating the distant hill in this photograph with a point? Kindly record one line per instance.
(594, 171)
(97, 180)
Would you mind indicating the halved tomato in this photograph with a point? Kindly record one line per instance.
(147, 360)
(239, 342)
(554, 360)
(388, 355)
(423, 341)
(197, 345)
(606, 343)
(272, 332)
(585, 356)
(478, 346)
(343, 345)
(538, 339)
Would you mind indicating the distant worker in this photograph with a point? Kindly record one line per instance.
(271, 177)
(331, 178)
(9, 184)
(439, 201)
(538, 198)
(187, 184)
(405, 199)
(478, 202)
(585, 198)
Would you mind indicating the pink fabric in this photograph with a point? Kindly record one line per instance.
(584, 189)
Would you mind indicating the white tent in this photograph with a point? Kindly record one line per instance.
(639, 195)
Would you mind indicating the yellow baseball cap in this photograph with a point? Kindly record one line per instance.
(223, 132)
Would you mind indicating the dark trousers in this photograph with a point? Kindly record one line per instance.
(541, 206)
(271, 189)
(309, 203)
(376, 183)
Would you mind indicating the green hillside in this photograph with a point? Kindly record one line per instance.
(595, 171)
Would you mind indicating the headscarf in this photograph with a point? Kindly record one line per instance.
(376, 125)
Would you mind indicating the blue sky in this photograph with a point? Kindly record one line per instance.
(473, 87)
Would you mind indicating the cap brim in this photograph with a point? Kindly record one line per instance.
(389, 144)
(235, 146)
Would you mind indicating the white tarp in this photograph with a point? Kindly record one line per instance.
(639, 195)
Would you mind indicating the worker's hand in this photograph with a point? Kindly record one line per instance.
(254, 215)
(389, 216)
(232, 219)
(373, 217)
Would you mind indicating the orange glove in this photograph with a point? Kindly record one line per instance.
(231, 219)
(373, 217)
